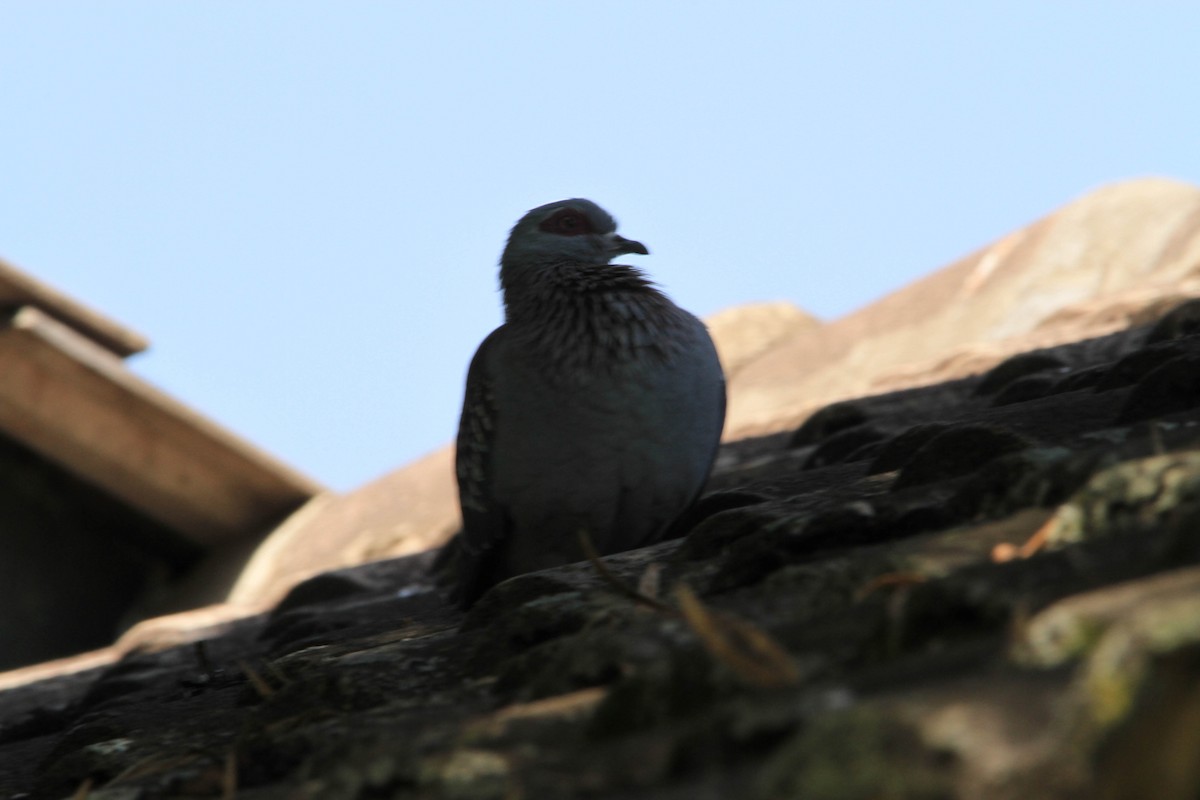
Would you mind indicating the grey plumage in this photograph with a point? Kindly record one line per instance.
(596, 406)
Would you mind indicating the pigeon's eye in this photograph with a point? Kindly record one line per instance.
(567, 222)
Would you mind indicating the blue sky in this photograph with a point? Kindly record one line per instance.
(302, 203)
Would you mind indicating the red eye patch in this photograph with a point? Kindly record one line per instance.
(566, 222)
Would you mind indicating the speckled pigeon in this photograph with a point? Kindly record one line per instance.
(597, 406)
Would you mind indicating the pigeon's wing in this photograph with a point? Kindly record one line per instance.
(468, 563)
(690, 515)
(485, 522)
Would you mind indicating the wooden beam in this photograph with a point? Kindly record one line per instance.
(76, 403)
(19, 289)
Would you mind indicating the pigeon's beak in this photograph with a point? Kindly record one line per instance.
(619, 245)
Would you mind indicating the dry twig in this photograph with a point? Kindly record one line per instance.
(1007, 551)
(746, 649)
(593, 557)
(229, 779)
(886, 580)
(260, 685)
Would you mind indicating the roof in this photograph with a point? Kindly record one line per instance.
(978, 585)
(18, 288)
(984, 588)
(68, 395)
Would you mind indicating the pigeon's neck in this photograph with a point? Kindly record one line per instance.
(585, 315)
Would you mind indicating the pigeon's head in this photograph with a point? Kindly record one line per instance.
(567, 232)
